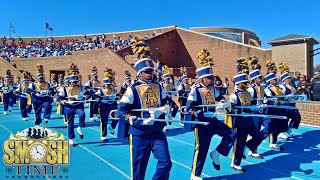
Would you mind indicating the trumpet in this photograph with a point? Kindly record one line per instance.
(113, 116)
(220, 107)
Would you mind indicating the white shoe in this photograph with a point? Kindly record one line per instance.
(103, 138)
(5, 112)
(24, 119)
(111, 130)
(181, 124)
(80, 132)
(193, 177)
(238, 168)
(255, 155)
(283, 136)
(164, 129)
(92, 119)
(275, 147)
(46, 121)
(71, 143)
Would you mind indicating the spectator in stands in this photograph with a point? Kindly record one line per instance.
(315, 86)
(304, 87)
(296, 79)
(50, 47)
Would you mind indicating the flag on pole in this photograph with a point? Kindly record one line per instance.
(48, 26)
(12, 30)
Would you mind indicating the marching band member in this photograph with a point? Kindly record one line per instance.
(60, 107)
(72, 98)
(94, 85)
(24, 97)
(167, 85)
(1, 81)
(146, 135)
(206, 94)
(126, 84)
(41, 97)
(257, 94)
(183, 91)
(15, 86)
(289, 90)
(244, 126)
(7, 92)
(107, 102)
(272, 90)
(53, 81)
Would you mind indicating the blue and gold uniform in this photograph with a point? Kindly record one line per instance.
(289, 90)
(41, 93)
(107, 102)
(183, 91)
(207, 95)
(24, 98)
(273, 90)
(94, 85)
(257, 94)
(7, 91)
(72, 98)
(145, 135)
(244, 126)
(126, 84)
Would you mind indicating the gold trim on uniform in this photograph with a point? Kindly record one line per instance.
(149, 95)
(195, 158)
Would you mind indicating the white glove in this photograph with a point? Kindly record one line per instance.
(131, 119)
(148, 121)
(209, 114)
(63, 102)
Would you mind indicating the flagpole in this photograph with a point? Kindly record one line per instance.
(46, 31)
(10, 29)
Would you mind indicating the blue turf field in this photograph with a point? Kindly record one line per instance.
(94, 159)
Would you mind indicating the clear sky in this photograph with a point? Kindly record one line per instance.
(269, 19)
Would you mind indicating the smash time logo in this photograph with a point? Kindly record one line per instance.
(36, 152)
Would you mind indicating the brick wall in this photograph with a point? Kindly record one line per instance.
(101, 58)
(294, 55)
(310, 114)
(4, 65)
(224, 52)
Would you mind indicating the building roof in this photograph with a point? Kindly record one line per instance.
(293, 37)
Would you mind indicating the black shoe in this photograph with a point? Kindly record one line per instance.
(216, 166)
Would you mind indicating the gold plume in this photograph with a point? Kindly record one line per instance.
(271, 67)
(127, 73)
(39, 68)
(183, 71)
(283, 68)
(166, 70)
(109, 73)
(140, 48)
(204, 58)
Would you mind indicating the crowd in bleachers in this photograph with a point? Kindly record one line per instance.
(13, 48)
